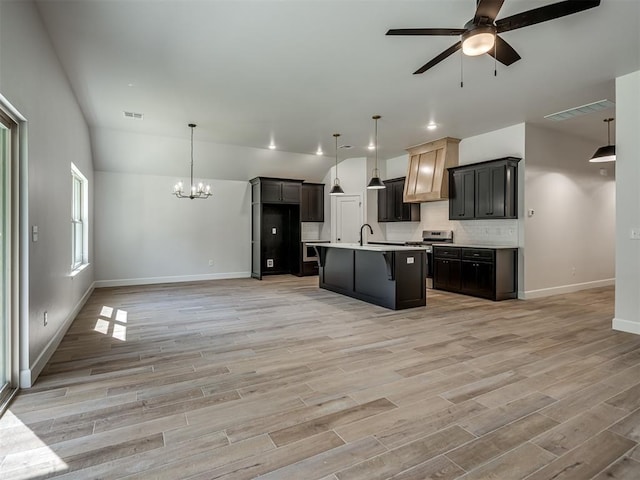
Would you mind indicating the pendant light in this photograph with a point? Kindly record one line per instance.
(336, 189)
(375, 183)
(608, 152)
(195, 191)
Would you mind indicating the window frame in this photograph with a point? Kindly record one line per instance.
(79, 220)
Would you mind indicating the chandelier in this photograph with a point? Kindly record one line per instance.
(195, 191)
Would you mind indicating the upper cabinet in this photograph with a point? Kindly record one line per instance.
(277, 190)
(312, 202)
(462, 194)
(392, 208)
(484, 190)
(427, 179)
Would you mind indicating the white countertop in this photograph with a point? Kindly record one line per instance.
(467, 245)
(368, 247)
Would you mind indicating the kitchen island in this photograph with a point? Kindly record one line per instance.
(386, 275)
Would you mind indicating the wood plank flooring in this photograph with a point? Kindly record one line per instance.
(240, 379)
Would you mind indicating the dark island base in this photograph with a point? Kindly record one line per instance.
(391, 279)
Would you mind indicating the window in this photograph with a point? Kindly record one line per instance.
(79, 227)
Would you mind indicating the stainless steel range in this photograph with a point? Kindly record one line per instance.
(429, 237)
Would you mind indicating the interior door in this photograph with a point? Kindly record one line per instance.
(348, 218)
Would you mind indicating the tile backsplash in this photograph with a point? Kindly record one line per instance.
(435, 216)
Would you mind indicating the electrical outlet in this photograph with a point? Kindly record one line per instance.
(46, 318)
(573, 271)
(635, 234)
(270, 263)
(211, 263)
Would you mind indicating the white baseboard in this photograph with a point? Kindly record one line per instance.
(625, 326)
(576, 287)
(125, 282)
(28, 377)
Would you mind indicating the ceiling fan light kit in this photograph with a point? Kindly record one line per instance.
(478, 40)
(481, 34)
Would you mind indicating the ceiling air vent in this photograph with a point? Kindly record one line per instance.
(582, 110)
(137, 116)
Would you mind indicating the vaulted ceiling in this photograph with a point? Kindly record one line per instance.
(293, 72)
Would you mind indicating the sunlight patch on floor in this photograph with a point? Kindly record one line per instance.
(112, 322)
(26, 456)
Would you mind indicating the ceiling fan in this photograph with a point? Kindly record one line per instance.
(480, 34)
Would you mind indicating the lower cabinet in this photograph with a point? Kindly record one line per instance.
(481, 272)
(446, 274)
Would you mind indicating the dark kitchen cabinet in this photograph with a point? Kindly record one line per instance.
(276, 190)
(446, 274)
(496, 188)
(275, 227)
(446, 268)
(480, 272)
(484, 190)
(312, 202)
(392, 208)
(462, 194)
(477, 278)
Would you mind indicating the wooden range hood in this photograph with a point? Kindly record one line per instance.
(428, 178)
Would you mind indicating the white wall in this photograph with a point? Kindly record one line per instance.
(147, 235)
(570, 238)
(627, 310)
(32, 80)
(162, 155)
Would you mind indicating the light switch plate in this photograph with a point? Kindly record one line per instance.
(274, 231)
(410, 260)
(635, 234)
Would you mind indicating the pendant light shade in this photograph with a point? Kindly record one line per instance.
(336, 189)
(608, 152)
(375, 183)
(195, 191)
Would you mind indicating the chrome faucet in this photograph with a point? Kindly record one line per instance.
(370, 229)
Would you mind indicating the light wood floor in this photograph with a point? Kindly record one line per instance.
(277, 379)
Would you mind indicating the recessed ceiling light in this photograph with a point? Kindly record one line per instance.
(272, 146)
(432, 126)
(130, 84)
(319, 151)
(371, 146)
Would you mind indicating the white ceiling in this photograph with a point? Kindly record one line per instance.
(296, 71)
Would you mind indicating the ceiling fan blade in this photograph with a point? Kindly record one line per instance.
(449, 51)
(487, 9)
(543, 14)
(426, 31)
(504, 52)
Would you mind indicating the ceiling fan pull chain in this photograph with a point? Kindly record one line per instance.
(495, 59)
(461, 70)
